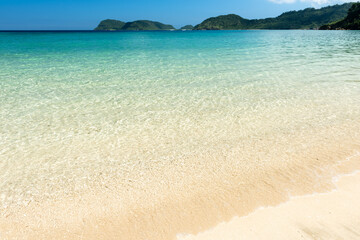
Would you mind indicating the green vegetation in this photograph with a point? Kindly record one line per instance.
(345, 16)
(224, 22)
(146, 25)
(187, 27)
(140, 25)
(351, 22)
(110, 25)
(309, 18)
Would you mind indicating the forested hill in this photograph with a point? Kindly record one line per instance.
(140, 25)
(351, 22)
(309, 18)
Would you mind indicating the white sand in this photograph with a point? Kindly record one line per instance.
(333, 215)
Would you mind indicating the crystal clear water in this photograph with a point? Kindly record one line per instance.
(137, 112)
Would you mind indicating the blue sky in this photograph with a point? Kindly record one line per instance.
(85, 14)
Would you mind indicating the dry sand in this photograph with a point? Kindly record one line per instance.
(202, 205)
(332, 215)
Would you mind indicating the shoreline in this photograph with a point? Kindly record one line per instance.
(330, 215)
(95, 216)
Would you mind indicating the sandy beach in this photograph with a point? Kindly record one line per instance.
(331, 215)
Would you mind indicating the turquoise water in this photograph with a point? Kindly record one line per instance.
(79, 110)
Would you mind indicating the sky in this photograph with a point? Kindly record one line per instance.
(86, 14)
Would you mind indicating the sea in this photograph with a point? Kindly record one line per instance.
(172, 128)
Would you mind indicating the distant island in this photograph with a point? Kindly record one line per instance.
(345, 16)
(140, 25)
(309, 18)
(351, 22)
(187, 27)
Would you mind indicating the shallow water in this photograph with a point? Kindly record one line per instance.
(156, 113)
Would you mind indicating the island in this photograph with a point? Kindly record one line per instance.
(187, 27)
(139, 25)
(344, 16)
(309, 18)
(351, 22)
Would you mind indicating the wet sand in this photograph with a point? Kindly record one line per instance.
(332, 215)
(201, 206)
